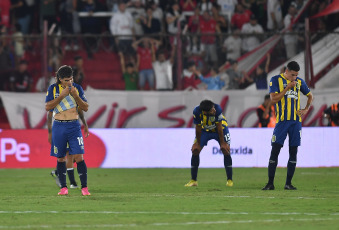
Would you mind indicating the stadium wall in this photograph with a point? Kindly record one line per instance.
(168, 148)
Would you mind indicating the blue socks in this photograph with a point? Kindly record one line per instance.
(273, 162)
(228, 166)
(292, 162)
(61, 168)
(70, 173)
(194, 166)
(82, 171)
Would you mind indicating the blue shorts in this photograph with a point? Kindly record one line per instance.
(206, 136)
(292, 128)
(66, 136)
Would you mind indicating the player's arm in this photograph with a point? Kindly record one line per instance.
(83, 105)
(83, 120)
(223, 143)
(198, 131)
(301, 112)
(49, 126)
(276, 97)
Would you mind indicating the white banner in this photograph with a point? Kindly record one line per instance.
(119, 109)
(152, 148)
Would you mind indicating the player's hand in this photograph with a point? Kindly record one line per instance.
(225, 147)
(64, 92)
(86, 131)
(302, 112)
(291, 84)
(50, 138)
(73, 91)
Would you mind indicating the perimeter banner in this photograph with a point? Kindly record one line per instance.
(168, 148)
(124, 109)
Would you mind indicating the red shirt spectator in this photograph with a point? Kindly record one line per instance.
(194, 20)
(188, 5)
(5, 5)
(145, 55)
(208, 26)
(241, 17)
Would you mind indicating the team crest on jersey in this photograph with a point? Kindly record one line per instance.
(270, 83)
(274, 138)
(212, 119)
(297, 86)
(55, 150)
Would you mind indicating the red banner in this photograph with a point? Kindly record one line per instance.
(30, 149)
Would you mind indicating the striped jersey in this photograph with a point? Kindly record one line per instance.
(68, 102)
(208, 122)
(286, 109)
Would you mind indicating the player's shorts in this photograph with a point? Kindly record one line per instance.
(66, 134)
(282, 128)
(206, 136)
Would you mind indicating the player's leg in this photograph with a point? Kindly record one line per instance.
(70, 171)
(228, 159)
(278, 138)
(294, 141)
(76, 144)
(54, 172)
(59, 151)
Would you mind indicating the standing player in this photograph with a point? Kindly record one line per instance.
(210, 124)
(285, 94)
(64, 98)
(70, 158)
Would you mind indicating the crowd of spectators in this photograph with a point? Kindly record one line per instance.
(215, 33)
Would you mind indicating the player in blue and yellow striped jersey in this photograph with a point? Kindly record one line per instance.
(210, 124)
(64, 98)
(285, 92)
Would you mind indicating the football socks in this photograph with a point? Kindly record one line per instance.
(273, 162)
(228, 166)
(194, 166)
(70, 173)
(292, 162)
(82, 171)
(61, 168)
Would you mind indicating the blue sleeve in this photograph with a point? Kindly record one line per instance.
(49, 94)
(274, 85)
(304, 88)
(81, 93)
(218, 113)
(196, 116)
(205, 80)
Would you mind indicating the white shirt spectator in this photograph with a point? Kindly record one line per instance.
(206, 6)
(158, 14)
(137, 13)
(251, 42)
(172, 27)
(163, 75)
(273, 6)
(227, 6)
(122, 24)
(233, 47)
(289, 38)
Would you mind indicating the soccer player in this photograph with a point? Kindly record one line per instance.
(285, 91)
(210, 124)
(65, 98)
(70, 158)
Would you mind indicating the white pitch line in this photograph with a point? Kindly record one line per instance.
(164, 223)
(168, 213)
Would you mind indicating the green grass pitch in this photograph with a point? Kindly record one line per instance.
(157, 199)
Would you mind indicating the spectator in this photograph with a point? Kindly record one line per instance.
(235, 76)
(205, 5)
(150, 24)
(240, 17)
(209, 26)
(232, 45)
(188, 5)
(5, 6)
(195, 51)
(20, 12)
(266, 114)
(90, 25)
(172, 17)
(290, 40)
(69, 22)
(18, 39)
(41, 85)
(157, 12)
(78, 70)
(194, 21)
(21, 80)
(214, 82)
(48, 12)
(137, 12)
(190, 79)
(274, 15)
(261, 74)
(163, 70)
(227, 7)
(144, 61)
(121, 26)
(222, 22)
(129, 73)
(250, 42)
(5, 60)
(55, 54)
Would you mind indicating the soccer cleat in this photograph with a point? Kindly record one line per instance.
(268, 186)
(229, 183)
(53, 174)
(191, 183)
(63, 191)
(289, 187)
(85, 192)
(74, 185)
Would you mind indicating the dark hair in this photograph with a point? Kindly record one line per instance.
(78, 57)
(190, 64)
(267, 96)
(64, 72)
(129, 65)
(293, 65)
(206, 105)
